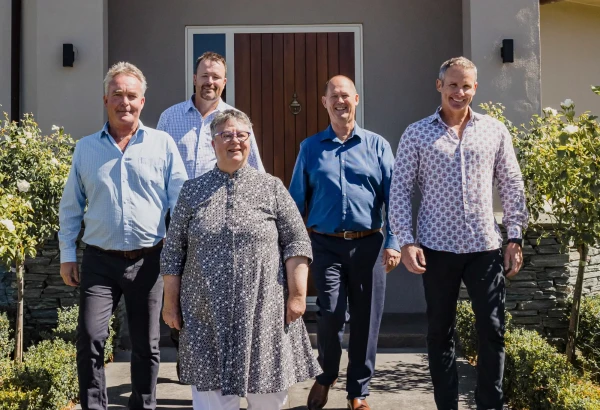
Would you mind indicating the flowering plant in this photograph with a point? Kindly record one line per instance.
(33, 171)
(559, 154)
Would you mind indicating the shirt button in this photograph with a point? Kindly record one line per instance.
(344, 212)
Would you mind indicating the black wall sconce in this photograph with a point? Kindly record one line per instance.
(68, 55)
(507, 51)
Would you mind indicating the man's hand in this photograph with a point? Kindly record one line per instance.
(413, 258)
(513, 259)
(390, 259)
(296, 306)
(172, 317)
(69, 271)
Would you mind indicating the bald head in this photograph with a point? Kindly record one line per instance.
(340, 101)
(339, 80)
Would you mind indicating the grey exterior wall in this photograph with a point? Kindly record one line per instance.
(570, 58)
(516, 85)
(5, 39)
(57, 95)
(404, 43)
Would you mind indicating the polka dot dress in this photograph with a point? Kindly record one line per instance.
(456, 178)
(229, 238)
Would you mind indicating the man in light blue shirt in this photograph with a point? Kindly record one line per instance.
(128, 176)
(189, 122)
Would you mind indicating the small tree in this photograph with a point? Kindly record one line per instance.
(559, 154)
(33, 171)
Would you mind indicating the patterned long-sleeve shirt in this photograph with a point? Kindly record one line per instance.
(191, 133)
(456, 179)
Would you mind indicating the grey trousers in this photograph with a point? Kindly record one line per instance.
(104, 278)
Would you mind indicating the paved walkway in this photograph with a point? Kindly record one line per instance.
(401, 382)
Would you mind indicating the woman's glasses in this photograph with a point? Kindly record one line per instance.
(227, 136)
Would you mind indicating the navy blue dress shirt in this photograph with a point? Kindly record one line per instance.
(342, 185)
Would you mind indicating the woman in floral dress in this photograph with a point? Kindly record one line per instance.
(235, 264)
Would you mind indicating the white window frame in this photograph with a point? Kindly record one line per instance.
(229, 32)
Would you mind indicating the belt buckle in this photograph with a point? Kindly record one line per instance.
(348, 232)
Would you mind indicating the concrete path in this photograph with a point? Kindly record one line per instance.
(401, 382)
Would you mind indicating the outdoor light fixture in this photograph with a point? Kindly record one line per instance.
(507, 51)
(68, 55)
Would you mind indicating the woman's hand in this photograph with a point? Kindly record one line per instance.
(172, 317)
(171, 308)
(296, 306)
(297, 277)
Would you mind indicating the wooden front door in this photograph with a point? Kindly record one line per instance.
(274, 69)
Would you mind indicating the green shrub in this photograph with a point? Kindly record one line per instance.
(50, 368)
(7, 344)
(15, 399)
(536, 375)
(66, 329)
(588, 337)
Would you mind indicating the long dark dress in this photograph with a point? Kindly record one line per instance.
(229, 238)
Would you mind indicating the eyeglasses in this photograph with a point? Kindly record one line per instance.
(227, 136)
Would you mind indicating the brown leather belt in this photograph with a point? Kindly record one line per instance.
(348, 235)
(134, 254)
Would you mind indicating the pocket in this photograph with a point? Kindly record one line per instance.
(151, 170)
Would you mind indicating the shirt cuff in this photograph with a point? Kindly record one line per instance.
(514, 232)
(68, 255)
(391, 242)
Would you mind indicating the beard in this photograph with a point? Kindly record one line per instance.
(209, 93)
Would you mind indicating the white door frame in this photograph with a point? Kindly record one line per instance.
(229, 32)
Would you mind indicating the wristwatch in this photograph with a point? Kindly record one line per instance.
(518, 241)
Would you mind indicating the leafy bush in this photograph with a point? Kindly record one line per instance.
(66, 329)
(588, 338)
(6, 343)
(15, 399)
(49, 367)
(536, 376)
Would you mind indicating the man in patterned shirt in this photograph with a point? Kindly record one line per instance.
(455, 156)
(189, 122)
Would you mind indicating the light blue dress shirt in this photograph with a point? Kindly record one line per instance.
(343, 186)
(192, 135)
(127, 193)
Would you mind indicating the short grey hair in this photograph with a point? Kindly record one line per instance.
(231, 114)
(457, 61)
(126, 68)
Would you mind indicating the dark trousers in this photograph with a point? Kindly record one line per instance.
(345, 278)
(483, 275)
(104, 278)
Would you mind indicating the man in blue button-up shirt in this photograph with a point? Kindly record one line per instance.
(127, 175)
(340, 183)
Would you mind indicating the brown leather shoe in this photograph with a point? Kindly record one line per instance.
(317, 398)
(358, 404)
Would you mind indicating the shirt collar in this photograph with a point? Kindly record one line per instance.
(329, 134)
(475, 116)
(104, 132)
(224, 176)
(222, 106)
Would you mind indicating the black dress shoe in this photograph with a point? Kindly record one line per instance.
(317, 398)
